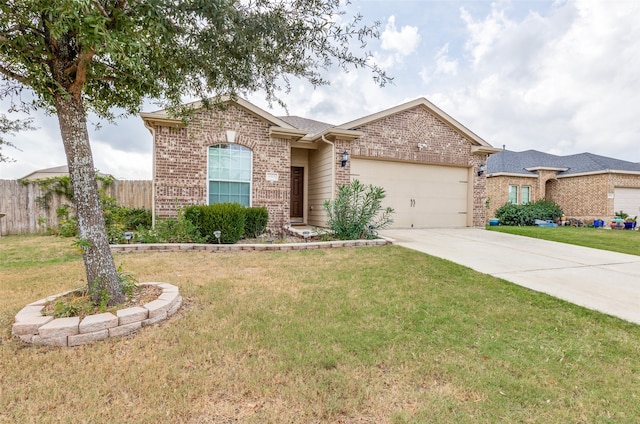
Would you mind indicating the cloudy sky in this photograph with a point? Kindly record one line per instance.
(562, 77)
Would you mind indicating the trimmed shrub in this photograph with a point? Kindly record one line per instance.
(510, 214)
(255, 222)
(228, 218)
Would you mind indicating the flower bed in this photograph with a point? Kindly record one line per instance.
(33, 327)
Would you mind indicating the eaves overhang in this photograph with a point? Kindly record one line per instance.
(510, 174)
(546, 168)
(287, 133)
(600, 172)
(476, 150)
(161, 118)
(334, 134)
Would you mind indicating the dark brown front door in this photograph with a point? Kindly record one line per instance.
(297, 192)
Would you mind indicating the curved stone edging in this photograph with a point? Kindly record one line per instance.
(193, 247)
(32, 327)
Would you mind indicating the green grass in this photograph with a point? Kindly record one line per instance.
(383, 335)
(27, 251)
(622, 241)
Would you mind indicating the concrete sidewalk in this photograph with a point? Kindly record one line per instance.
(605, 281)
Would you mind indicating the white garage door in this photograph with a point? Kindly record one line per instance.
(627, 200)
(423, 196)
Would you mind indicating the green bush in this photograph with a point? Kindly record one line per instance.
(170, 230)
(67, 223)
(117, 220)
(132, 218)
(115, 234)
(126, 219)
(510, 214)
(228, 218)
(357, 212)
(255, 222)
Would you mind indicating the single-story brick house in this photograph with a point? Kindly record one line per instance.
(585, 185)
(427, 162)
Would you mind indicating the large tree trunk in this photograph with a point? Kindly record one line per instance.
(102, 276)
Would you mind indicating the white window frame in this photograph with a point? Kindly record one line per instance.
(516, 189)
(209, 179)
(522, 200)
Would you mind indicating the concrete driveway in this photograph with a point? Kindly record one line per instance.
(604, 281)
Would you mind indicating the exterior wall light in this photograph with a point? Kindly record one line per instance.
(481, 169)
(345, 158)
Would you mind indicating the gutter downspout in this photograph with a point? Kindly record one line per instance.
(153, 174)
(333, 169)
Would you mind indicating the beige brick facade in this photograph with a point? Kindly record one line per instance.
(180, 171)
(180, 156)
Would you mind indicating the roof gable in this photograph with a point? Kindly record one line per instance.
(420, 102)
(163, 116)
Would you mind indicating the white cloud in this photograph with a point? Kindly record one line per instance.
(396, 45)
(445, 65)
(425, 75)
(403, 42)
(120, 164)
(484, 33)
(563, 83)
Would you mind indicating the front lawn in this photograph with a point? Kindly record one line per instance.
(353, 335)
(623, 241)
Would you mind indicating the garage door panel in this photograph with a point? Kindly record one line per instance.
(422, 195)
(627, 200)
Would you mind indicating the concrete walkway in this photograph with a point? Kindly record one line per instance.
(605, 281)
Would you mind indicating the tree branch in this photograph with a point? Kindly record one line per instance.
(98, 6)
(14, 75)
(81, 72)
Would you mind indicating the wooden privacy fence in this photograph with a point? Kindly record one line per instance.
(23, 214)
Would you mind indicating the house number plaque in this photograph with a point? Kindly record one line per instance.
(272, 176)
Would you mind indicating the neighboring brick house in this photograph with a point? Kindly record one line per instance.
(585, 186)
(426, 161)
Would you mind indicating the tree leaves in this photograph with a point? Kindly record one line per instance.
(123, 52)
(8, 126)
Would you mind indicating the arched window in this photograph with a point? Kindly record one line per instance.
(229, 174)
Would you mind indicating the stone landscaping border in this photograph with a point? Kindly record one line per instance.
(32, 327)
(193, 247)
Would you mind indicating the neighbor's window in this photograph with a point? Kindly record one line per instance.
(229, 174)
(513, 194)
(525, 194)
